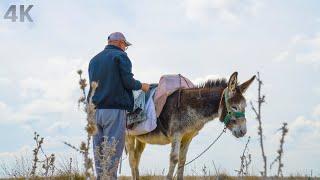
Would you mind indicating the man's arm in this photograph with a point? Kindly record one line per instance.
(125, 68)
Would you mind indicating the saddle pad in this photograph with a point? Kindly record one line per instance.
(167, 85)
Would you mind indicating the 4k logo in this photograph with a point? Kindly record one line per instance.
(24, 13)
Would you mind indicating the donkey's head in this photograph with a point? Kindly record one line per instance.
(233, 104)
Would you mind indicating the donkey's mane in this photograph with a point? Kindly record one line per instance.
(214, 83)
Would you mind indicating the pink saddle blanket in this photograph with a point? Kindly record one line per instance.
(167, 85)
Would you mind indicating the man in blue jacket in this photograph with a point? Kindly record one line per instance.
(112, 69)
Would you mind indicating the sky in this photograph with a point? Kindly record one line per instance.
(201, 39)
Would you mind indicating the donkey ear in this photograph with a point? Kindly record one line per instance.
(233, 80)
(244, 86)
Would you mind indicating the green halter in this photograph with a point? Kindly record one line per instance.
(231, 113)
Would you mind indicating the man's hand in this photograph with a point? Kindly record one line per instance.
(145, 87)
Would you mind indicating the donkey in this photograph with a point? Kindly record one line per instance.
(185, 113)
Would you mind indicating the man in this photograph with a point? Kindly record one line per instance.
(112, 69)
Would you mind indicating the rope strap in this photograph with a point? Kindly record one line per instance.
(205, 150)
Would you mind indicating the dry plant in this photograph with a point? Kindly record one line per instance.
(261, 100)
(19, 169)
(216, 170)
(66, 168)
(47, 162)
(48, 165)
(73, 147)
(205, 172)
(105, 153)
(36, 150)
(28, 168)
(91, 128)
(69, 168)
(284, 131)
(245, 161)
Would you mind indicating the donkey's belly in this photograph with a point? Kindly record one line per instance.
(154, 137)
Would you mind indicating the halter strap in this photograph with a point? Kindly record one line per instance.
(231, 113)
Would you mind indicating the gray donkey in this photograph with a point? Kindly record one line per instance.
(185, 113)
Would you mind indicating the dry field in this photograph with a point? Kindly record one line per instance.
(153, 177)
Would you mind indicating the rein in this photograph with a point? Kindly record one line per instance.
(205, 150)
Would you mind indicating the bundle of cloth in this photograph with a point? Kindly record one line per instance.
(148, 106)
(143, 117)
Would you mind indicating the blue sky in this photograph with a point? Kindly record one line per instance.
(197, 38)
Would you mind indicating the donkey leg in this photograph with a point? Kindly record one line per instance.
(138, 151)
(174, 154)
(130, 146)
(182, 156)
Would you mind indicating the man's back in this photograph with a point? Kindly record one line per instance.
(111, 68)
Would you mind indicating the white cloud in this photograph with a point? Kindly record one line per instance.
(3, 29)
(3, 105)
(39, 107)
(316, 91)
(282, 56)
(301, 121)
(224, 10)
(31, 88)
(302, 49)
(47, 104)
(316, 111)
(59, 126)
(5, 112)
(12, 154)
(51, 92)
(4, 81)
(306, 129)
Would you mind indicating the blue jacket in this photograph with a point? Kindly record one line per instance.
(112, 69)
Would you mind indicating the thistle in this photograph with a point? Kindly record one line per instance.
(48, 165)
(91, 127)
(48, 162)
(36, 150)
(245, 160)
(257, 111)
(284, 131)
(105, 153)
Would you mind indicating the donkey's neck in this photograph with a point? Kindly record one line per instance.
(204, 102)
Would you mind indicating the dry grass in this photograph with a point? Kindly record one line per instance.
(221, 177)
